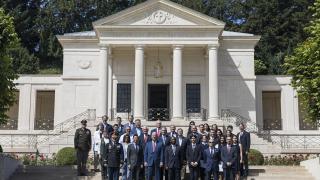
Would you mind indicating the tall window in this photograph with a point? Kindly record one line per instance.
(44, 119)
(123, 97)
(271, 102)
(12, 113)
(193, 100)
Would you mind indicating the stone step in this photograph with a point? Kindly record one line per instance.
(278, 178)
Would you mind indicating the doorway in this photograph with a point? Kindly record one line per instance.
(158, 102)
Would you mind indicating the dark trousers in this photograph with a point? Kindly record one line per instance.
(113, 173)
(95, 160)
(104, 169)
(163, 172)
(174, 173)
(153, 171)
(82, 157)
(193, 173)
(244, 167)
(135, 173)
(228, 173)
(210, 173)
(202, 173)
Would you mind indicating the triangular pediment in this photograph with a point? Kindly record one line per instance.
(158, 12)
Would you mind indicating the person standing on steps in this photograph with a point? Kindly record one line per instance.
(135, 159)
(82, 144)
(103, 148)
(114, 156)
(245, 141)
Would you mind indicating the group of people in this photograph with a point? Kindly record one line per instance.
(205, 152)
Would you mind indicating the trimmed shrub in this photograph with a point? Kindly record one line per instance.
(66, 156)
(1, 150)
(255, 157)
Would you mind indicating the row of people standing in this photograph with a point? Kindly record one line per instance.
(167, 154)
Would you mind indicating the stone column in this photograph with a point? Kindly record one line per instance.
(110, 83)
(139, 82)
(213, 82)
(102, 105)
(177, 83)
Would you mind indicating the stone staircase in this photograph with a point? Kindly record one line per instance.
(279, 173)
(51, 173)
(69, 173)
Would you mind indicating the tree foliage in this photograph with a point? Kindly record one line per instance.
(8, 39)
(304, 66)
(280, 23)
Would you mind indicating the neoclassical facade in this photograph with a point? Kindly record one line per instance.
(157, 60)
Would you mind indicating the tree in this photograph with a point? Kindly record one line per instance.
(8, 39)
(304, 66)
(280, 24)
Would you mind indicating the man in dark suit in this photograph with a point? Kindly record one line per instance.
(82, 144)
(153, 157)
(204, 146)
(157, 130)
(114, 156)
(229, 158)
(137, 128)
(245, 140)
(103, 159)
(121, 128)
(194, 133)
(165, 140)
(173, 160)
(144, 137)
(135, 158)
(131, 124)
(211, 159)
(172, 132)
(193, 156)
(105, 125)
(182, 141)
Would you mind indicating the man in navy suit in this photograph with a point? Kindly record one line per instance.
(144, 137)
(229, 158)
(137, 128)
(194, 133)
(104, 124)
(153, 157)
(211, 159)
(182, 141)
(165, 140)
(204, 145)
(121, 128)
(244, 140)
(173, 160)
(130, 123)
(193, 156)
(172, 132)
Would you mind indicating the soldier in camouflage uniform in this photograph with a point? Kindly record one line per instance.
(82, 144)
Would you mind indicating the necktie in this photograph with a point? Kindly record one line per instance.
(158, 132)
(210, 151)
(193, 146)
(154, 146)
(229, 148)
(145, 138)
(174, 150)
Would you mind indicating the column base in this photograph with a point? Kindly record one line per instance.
(142, 118)
(177, 118)
(216, 120)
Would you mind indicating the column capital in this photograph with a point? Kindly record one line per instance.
(139, 46)
(213, 46)
(177, 46)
